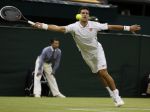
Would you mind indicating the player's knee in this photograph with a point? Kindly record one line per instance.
(103, 72)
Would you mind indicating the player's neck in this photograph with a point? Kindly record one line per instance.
(84, 23)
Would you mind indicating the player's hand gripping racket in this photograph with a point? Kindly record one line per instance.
(11, 13)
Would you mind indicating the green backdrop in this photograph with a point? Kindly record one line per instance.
(127, 57)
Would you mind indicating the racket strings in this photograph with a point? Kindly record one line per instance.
(11, 14)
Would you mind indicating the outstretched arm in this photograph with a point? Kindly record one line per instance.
(50, 27)
(132, 28)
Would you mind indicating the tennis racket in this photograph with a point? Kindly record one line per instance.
(11, 13)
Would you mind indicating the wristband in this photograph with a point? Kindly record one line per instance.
(45, 26)
(126, 28)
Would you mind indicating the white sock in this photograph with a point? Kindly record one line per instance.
(116, 92)
(109, 91)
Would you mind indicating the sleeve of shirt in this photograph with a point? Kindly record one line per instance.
(101, 26)
(57, 63)
(41, 59)
(69, 28)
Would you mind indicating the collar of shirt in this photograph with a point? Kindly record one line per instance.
(83, 26)
(53, 48)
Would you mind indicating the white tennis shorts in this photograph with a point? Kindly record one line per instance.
(96, 61)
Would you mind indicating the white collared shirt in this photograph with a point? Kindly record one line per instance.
(46, 57)
(86, 37)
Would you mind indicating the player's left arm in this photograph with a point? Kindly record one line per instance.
(132, 28)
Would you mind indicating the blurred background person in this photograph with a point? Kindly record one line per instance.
(48, 62)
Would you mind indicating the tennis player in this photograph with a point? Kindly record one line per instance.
(84, 33)
(48, 62)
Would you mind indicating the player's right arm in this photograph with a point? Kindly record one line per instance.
(50, 27)
(57, 28)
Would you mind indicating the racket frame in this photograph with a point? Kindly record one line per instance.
(21, 15)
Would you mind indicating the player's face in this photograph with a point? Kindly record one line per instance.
(55, 44)
(85, 15)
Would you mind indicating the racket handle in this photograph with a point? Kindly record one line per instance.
(30, 22)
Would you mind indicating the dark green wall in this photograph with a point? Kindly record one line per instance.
(127, 57)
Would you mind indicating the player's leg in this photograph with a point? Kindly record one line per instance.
(94, 65)
(37, 80)
(102, 65)
(108, 80)
(106, 86)
(52, 81)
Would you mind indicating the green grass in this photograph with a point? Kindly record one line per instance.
(47, 104)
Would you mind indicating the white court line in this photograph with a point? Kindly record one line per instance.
(101, 110)
(136, 108)
(89, 110)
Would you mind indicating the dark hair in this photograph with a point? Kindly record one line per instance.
(52, 40)
(82, 8)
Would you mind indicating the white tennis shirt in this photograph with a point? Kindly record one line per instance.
(86, 40)
(86, 37)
